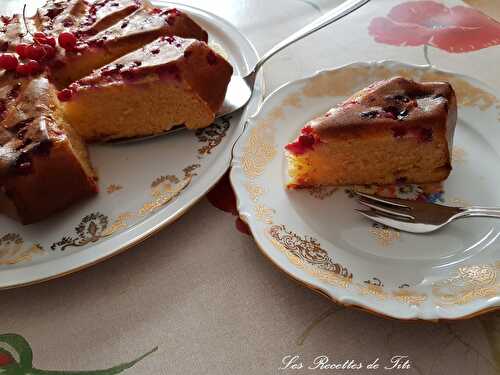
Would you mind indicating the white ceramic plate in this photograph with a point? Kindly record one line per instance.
(144, 186)
(316, 237)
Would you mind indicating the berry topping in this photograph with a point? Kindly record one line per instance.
(172, 15)
(171, 70)
(170, 39)
(36, 52)
(22, 50)
(67, 40)
(211, 58)
(307, 130)
(65, 95)
(34, 67)
(8, 61)
(391, 112)
(50, 51)
(173, 12)
(29, 68)
(41, 38)
(6, 20)
(303, 143)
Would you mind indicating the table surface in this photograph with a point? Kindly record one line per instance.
(201, 291)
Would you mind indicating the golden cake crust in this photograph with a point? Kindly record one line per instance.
(397, 103)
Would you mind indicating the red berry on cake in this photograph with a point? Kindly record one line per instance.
(23, 69)
(31, 67)
(34, 67)
(36, 52)
(65, 95)
(50, 51)
(42, 38)
(67, 40)
(22, 50)
(8, 61)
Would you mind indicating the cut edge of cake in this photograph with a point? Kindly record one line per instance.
(171, 81)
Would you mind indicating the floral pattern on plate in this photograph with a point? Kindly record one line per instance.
(448, 275)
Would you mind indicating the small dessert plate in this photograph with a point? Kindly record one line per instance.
(144, 186)
(316, 236)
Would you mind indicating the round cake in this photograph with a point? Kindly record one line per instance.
(71, 74)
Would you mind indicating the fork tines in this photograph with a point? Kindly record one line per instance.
(380, 208)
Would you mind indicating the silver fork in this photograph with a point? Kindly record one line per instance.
(417, 217)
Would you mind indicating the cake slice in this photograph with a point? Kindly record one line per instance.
(394, 131)
(169, 82)
(44, 165)
(94, 50)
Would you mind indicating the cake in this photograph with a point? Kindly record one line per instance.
(114, 55)
(168, 82)
(91, 47)
(394, 131)
(44, 165)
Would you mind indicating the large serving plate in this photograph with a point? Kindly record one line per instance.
(144, 186)
(315, 235)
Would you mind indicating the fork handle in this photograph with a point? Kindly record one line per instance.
(335, 14)
(477, 211)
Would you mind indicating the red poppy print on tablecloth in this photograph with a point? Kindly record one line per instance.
(456, 29)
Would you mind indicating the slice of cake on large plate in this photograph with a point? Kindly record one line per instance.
(394, 131)
(86, 51)
(172, 81)
(44, 165)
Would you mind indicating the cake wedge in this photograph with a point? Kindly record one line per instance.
(394, 131)
(93, 50)
(44, 164)
(172, 81)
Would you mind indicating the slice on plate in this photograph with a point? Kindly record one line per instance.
(394, 131)
(44, 165)
(172, 81)
(118, 36)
